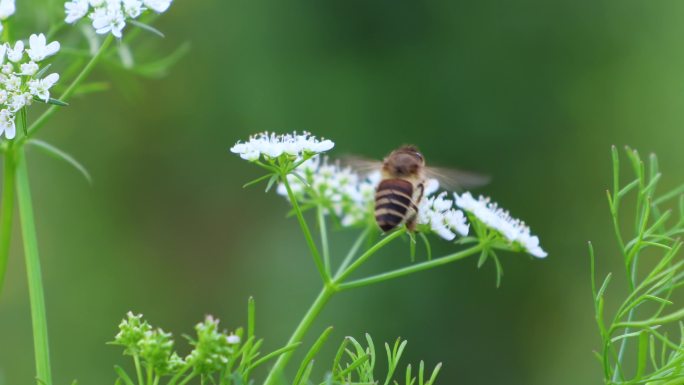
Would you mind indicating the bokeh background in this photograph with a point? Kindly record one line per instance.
(531, 92)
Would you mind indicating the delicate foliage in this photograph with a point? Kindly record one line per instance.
(650, 253)
(356, 364)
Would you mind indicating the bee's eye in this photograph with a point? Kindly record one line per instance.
(419, 155)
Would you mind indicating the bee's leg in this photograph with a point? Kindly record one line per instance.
(411, 223)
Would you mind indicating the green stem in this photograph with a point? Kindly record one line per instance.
(324, 240)
(6, 213)
(42, 119)
(307, 233)
(35, 282)
(188, 378)
(412, 269)
(323, 297)
(150, 374)
(369, 253)
(352, 252)
(138, 369)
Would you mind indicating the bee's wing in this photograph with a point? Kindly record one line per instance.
(360, 164)
(456, 180)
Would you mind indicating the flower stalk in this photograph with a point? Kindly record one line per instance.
(33, 271)
(6, 213)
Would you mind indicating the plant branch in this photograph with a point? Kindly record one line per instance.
(412, 269)
(307, 233)
(35, 281)
(6, 213)
(369, 253)
(323, 297)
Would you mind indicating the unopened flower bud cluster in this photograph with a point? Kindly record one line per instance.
(21, 78)
(212, 348)
(110, 16)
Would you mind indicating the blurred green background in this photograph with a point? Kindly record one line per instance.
(531, 92)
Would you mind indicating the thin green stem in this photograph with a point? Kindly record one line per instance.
(138, 369)
(42, 119)
(352, 252)
(412, 269)
(369, 253)
(188, 378)
(150, 374)
(6, 213)
(323, 297)
(324, 239)
(307, 233)
(35, 281)
(178, 375)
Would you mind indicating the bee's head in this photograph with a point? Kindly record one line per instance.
(405, 161)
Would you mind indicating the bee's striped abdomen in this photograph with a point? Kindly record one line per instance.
(393, 203)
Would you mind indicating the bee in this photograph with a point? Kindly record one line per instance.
(402, 186)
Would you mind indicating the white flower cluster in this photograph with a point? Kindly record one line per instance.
(109, 16)
(500, 220)
(439, 213)
(351, 197)
(339, 189)
(20, 78)
(272, 145)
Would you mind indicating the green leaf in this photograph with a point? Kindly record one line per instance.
(305, 367)
(428, 249)
(92, 87)
(271, 181)
(147, 28)
(257, 180)
(251, 317)
(52, 101)
(412, 246)
(160, 68)
(42, 72)
(23, 121)
(59, 154)
(122, 375)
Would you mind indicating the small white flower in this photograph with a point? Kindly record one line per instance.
(29, 69)
(17, 101)
(132, 8)
(158, 6)
(3, 96)
(233, 339)
(7, 9)
(75, 10)
(13, 83)
(16, 53)
(108, 20)
(41, 87)
(7, 126)
(39, 49)
(439, 214)
(7, 69)
(97, 3)
(496, 218)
